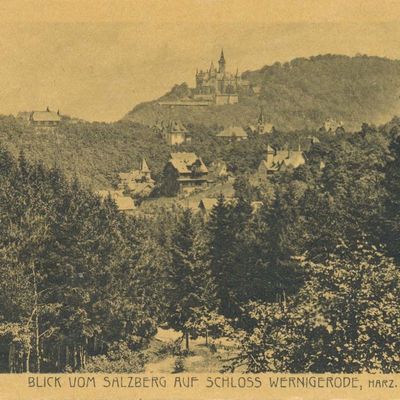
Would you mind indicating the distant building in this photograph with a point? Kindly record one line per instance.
(207, 204)
(173, 132)
(233, 133)
(138, 182)
(278, 160)
(263, 127)
(219, 86)
(332, 126)
(41, 119)
(218, 170)
(124, 203)
(184, 173)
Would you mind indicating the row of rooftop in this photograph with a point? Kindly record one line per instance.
(185, 172)
(176, 133)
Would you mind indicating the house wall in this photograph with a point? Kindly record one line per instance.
(226, 99)
(175, 138)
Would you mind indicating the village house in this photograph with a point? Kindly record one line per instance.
(41, 119)
(138, 182)
(278, 160)
(233, 133)
(124, 203)
(184, 173)
(332, 126)
(173, 132)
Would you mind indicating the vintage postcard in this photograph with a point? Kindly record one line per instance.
(199, 199)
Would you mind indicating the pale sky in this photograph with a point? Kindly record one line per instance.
(97, 59)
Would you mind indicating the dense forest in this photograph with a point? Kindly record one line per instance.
(299, 94)
(309, 282)
(95, 152)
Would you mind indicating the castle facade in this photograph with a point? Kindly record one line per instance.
(218, 85)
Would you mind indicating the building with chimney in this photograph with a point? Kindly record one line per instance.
(184, 173)
(137, 182)
(173, 132)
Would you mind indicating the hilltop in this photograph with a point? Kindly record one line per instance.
(298, 94)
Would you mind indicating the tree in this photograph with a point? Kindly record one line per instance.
(187, 283)
(392, 204)
(345, 319)
(221, 229)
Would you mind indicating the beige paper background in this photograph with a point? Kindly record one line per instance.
(97, 59)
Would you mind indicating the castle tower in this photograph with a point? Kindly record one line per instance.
(212, 72)
(222, 63)
(269, 153)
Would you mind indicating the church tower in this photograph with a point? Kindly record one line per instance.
(261, 122)
(221, 63)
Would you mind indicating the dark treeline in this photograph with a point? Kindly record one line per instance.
(308, 282)
(76, 275)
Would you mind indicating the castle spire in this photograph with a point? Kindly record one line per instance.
(222, 58)
(221, 62)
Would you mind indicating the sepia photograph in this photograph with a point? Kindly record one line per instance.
(200, 187)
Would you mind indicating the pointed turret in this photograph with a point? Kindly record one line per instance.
(144, 167)
(261, 122)
(221, 63)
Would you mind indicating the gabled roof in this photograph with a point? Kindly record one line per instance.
(176, 127)
(233, 131)
(183, 161)
(268, 127)
(144, 167)
(123, 203)
(45, 116)
(282, 159)
(207, 203)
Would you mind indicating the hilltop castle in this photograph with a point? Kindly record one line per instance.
(213, 86)
(218, 85)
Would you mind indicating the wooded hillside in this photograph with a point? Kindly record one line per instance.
(299, 94)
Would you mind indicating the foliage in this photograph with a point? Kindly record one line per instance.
(118, 360)
(299, 94)
(345, 319)
(77, 274)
